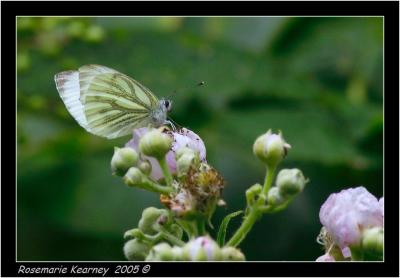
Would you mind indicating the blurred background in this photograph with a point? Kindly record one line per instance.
(319, 80)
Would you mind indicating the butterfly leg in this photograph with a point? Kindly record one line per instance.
(171, 124)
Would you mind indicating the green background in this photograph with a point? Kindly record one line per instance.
(319, 80)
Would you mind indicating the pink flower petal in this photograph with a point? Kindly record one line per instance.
(325, 258)
(347, 213)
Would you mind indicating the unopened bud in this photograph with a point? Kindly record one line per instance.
(136, 250)
(122, 160)
(202, 249)
(150, 219)
(145, 167)
(155, 144)
(290, 182)
(161, 252)
(177, 252)
(270, 148)
(274, 197)
(134, 177)
(184, 163)
(231, 254)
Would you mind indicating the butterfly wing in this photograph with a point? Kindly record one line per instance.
(104, 101)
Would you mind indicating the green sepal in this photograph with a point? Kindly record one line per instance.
(224, 225)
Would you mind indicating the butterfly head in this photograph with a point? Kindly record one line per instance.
(166, 104)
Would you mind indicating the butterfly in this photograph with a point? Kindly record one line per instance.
(108, 103)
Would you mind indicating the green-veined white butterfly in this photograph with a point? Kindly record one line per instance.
(108, 103)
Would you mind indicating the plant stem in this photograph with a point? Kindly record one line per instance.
(254, 211)
(171, 238)
(201, 226)
(155, 187)
(166, 172)
(246, 226)
(269, 177)
(187, 227)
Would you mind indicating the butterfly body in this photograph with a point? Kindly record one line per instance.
(108, 103)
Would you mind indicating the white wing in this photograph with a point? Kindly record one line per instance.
(104, 101)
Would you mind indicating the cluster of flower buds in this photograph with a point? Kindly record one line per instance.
(271, 149)
(353, 223)
(199, 249)
(155, 225)
(197, 186)
(289, 183)
(155, 144)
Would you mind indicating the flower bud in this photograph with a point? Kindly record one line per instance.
(270, 148)
(177, 252)
(150, 219)
(155, 144)
(185, 161)
(290, 182)
(161, 252)
(122, 160)
(274, 197)
(133, 177)
(231, 254)
(136, 250)
(145, 167)
(183, 150)
(202, 249)
(372, 241)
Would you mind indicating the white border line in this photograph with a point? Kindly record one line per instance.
(151, 16)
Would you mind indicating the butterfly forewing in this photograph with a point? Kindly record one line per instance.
(112, 103)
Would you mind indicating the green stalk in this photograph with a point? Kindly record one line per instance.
(171, 238)
(201, 226)
(245, 228)
(269, 177)
(254, 212)
(165, 170)
(155, 187)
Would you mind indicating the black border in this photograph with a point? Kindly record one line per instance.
(388, 9)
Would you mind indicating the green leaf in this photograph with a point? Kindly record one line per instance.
(224, 225)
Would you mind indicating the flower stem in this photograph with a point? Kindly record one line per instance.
(255, 211)
(269, 177)
(171, 238)
(155, 187)
(246, 226)
(201, 226)
(165, 170)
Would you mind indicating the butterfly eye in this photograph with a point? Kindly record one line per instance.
(167, 104)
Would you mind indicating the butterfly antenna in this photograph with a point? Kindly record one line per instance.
(199, 84)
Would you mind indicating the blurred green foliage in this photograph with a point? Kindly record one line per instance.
(319, 80)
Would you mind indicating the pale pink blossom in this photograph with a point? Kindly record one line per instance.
(325, 258)
(347, 213)
(181, 138)
(381, 205)
(346, 252)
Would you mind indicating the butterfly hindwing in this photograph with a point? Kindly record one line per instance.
(112, 103)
